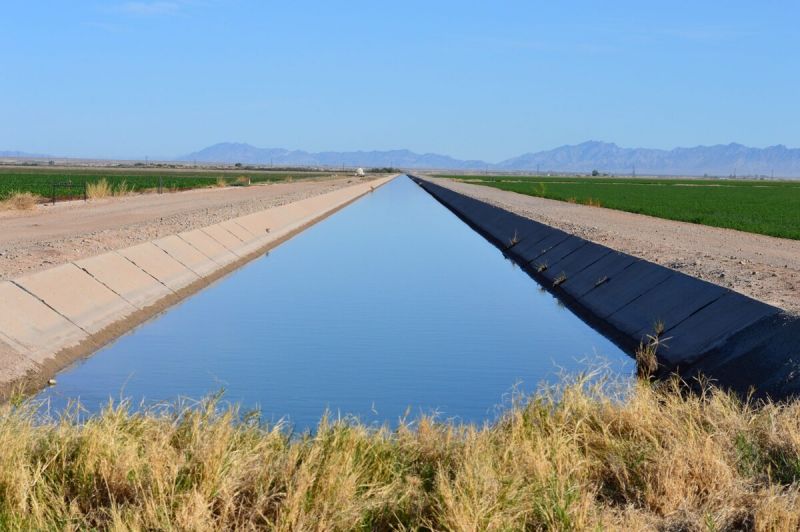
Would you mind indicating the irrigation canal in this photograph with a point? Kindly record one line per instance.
(390, 306)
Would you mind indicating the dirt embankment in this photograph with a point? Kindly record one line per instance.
(762, 267)
(50, 235)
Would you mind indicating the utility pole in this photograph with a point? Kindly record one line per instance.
(634, 170)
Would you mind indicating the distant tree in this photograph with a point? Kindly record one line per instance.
(595, 173)
(238, 165)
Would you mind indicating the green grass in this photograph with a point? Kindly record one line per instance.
(765, 207)
(40, 180)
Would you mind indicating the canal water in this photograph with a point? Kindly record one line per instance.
(390, 306)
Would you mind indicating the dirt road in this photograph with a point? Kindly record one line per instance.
(762, 267)
(50, 235)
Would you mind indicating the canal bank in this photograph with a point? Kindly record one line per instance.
(50, 318)
(705, 329)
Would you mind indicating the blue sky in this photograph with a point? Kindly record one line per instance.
(485, 80)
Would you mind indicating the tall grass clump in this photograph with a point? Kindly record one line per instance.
(123, 189)
(581, 455)
(221, 182)
(21, 201)
(99, 189)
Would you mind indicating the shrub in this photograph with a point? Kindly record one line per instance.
(122, 189)
(20, 201)
(99, 189)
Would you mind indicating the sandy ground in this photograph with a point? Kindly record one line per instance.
(762, 267)
(50, 235)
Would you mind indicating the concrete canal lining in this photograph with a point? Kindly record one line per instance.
(709, 330)
(52, 317)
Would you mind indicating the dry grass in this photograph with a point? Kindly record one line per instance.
(122, 189)
(221, 182)
(591, 202)
(577, 456)
(99, 189)
(103, 189)
(514, 240)
(21, 201)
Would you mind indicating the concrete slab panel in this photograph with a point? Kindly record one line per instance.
(532, 238)
(238, 230)
(606, 268)
(187, 255)
(77, 296)
(280, 219)
(670, 302)
(459, 204)
(159, 264)
(766, 354)
(224, 237)
(130, 282)
(257, 244)
(557, 253)
(31, 328)
(531, 252)
(624, 287)
(580, 259)
(13, 364)
(331, 200)
(299, 213)
(208, 246)
(508, 227)
(711, 326)
(253, 224)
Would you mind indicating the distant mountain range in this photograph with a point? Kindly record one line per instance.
(230, 152)
(605, 157)
(21, 155)
(721, 160)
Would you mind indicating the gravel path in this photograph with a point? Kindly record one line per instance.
(51, 235)
(762, 267)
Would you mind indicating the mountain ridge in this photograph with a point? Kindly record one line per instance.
(22, 154)
(719, 159)
(606, 157)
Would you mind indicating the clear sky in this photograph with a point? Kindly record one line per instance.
(484, 80)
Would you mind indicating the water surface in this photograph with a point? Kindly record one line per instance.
(390, 305)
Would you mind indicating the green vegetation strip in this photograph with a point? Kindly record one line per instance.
(765, 207)
(576, 457)
(40, 181)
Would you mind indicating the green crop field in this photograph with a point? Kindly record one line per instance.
(40, 180)
(766, 207)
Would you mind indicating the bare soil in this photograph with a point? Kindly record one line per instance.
(762, 267)
(51, 235)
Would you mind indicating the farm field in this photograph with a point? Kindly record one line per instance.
(40, 181)
(765, 207)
